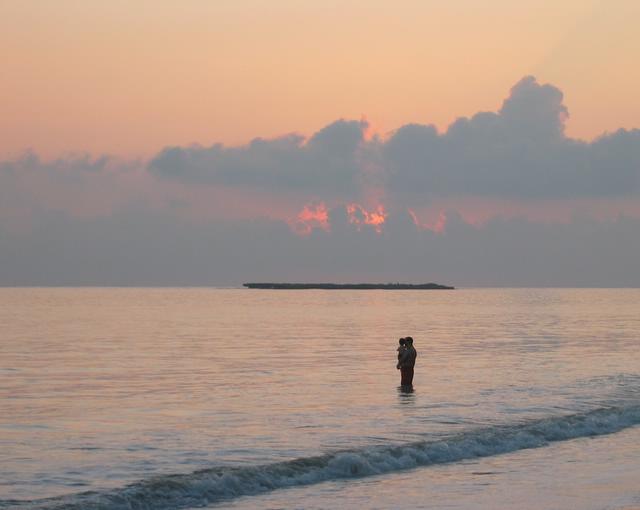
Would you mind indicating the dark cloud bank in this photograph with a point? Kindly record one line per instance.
(137, 248)
(518, 153)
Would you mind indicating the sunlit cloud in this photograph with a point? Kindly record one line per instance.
(359, 216)
(313, 215)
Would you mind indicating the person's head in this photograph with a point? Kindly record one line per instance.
(408, 340)
(402, 341)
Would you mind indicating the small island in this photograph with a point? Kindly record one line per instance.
(348, 286)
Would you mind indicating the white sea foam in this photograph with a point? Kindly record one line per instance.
(219, 484)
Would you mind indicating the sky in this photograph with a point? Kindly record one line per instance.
(209, 143)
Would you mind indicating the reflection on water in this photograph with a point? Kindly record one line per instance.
(101, 387)
(406, 395)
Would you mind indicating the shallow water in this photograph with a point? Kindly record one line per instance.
(290, 398)
(585, 473)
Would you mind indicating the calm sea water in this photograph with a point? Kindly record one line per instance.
(230, 398)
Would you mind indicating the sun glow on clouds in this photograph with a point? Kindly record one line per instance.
(317, 215)
(313, 215)
(360, 216)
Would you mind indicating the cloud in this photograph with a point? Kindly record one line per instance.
(136, 247)
(534, 111)
(519, 152)
(338, 205)
(77, 184)
(325, 164)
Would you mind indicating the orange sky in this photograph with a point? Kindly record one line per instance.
(129, 77)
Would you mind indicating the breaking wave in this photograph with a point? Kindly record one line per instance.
(209, 486)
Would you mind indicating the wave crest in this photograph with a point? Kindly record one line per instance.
(213, 485)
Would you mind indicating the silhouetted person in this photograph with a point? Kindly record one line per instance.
(406, 362)
(401, 348)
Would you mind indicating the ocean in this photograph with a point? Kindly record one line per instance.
(178, 398)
